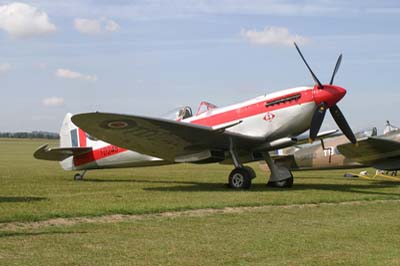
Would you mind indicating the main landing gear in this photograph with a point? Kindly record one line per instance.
(280, 176)
(240, 177)
(285, 183)
(79, 176)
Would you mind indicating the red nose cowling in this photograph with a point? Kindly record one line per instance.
(330, 94)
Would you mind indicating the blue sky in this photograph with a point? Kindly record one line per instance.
(148, 57)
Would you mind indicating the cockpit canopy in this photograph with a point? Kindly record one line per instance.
(368, 132)
(204, 107)
(184, 112)
(389, 128)
(179, 113)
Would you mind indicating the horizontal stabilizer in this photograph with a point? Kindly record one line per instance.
(44, 152)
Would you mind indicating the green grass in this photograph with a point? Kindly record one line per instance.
(328, 235)
(32, 190)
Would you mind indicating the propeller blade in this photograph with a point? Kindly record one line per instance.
(342, 123)
(339, 60)
(317, 120)
(309, 68)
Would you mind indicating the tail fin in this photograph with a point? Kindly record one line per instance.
(71, 135)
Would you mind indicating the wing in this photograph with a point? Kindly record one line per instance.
(158, 137)
(371, 150)
(304, 138)
(58, 154)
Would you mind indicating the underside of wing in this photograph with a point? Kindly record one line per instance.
(158, 137)
(304, 138)
(44, 152)
(371, 150)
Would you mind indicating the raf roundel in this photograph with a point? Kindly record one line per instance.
(117, 124)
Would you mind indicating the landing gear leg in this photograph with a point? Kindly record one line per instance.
(285, 183)
(280, 176)
(78, 176)
(241, 176)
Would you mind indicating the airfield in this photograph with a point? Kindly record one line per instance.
(186, 215)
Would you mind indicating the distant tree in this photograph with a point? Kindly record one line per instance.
(30, 135)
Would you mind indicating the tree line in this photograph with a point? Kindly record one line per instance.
(30, 135)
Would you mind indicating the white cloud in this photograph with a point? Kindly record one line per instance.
(273, 36)
(69, 74)
(95, 26)
(21, 20)
(87, 26)
(111, 26)
(53, 101)
(4, 67)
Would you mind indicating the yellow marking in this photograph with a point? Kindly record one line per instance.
(394, 178)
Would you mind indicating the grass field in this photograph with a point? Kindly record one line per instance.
(364, 233)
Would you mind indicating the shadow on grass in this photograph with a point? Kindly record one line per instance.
(136, 181)
(190, 186)
(21, 199)
(23, 234)
(200, 187)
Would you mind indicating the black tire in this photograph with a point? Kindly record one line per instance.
(285, 183)
(251, 171)
(78, 177)
(240, 178)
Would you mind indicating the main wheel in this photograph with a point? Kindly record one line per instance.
(285, 183)
(78, 177)
(251, 171)
(240, 178)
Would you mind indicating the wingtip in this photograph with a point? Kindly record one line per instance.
(77, 117)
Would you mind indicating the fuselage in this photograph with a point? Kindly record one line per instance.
(285, 113)
(318, 157)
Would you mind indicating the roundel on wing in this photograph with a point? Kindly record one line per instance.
(118, 124)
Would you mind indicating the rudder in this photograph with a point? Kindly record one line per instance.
(71, 135)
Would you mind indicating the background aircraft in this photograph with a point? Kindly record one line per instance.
(381, 152)
(236, 134)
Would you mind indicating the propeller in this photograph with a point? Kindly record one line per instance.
(317, 119)
(339, 60)
(342, 123)
(319, 113)
(309, 68)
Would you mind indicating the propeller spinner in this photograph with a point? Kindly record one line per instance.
(326, 97)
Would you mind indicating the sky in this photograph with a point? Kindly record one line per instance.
(150, 56)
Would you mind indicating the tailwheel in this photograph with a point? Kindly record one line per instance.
(285, 183)
(79, 177)
(240, 178)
